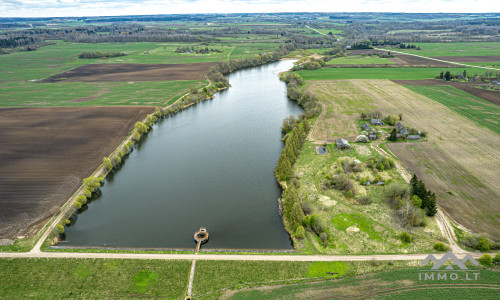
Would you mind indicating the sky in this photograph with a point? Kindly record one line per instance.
(69, 8)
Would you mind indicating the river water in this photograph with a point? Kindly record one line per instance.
(210, 165)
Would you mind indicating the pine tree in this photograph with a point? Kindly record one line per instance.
(394, 135)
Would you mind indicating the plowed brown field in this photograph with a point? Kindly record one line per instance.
(46, 152)
(132, 72)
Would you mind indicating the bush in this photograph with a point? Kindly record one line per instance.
(136, 136)
(416, 201)
(107, 163)
(406, 237)
(390, 120)
(60, 229)
(87, 193)
(365, 200)
(77, 205)
(317, 224)
(349, 194)
(67, 222)
(300, 233)
(483, 244)
(440, 246)
(486, 259)
(323, 236)
(81, 199)
(497, 258)
(362, 139)
(306, 208)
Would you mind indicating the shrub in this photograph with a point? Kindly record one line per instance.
(362, 139)
(406, 237)
(60, 229)
(81, 199)
(77, 205)
(136, 136)
(317, 224)
(107, 163)
(440, 246)
(87, 193)
(486, 259)
(306, 207)
(67, 222)
(483, 244)
(307, 220)
(365, 199)
(300, 233)
(390, 119)
(416, 201)
(497, 258)
(349, 194)
(323, 236)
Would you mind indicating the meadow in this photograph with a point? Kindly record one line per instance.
(394, 284)
(379, 73)
(456, 49)
(476, 109)
(358, 59)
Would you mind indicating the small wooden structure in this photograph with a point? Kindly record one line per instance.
(200, 237)
(376, 122)
(342, 144)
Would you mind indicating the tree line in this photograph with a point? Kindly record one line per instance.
(99, 54)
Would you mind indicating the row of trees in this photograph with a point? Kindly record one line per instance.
(426, 198)
(99, 54)
(293, 144)
(192, 49)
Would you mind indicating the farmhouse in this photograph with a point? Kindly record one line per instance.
(413, 137)
(401, 128)
(365, 126)
(372, 135)
(342, 144)
(376, 122)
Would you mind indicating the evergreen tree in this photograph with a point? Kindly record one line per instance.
(394, 135)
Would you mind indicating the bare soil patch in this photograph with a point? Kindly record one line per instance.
(132, 72)
(468, 87)
(459, 192)
(45, 154)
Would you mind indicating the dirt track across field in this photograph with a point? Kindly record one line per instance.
(468, 87)
(132, 72)
(46, 152)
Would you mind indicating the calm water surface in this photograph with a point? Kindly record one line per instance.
(211, 165)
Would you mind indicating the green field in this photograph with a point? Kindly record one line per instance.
(398, 284)
(358, 59)
(380, 73)
(92, 278)
(476, 109)
(457, 49)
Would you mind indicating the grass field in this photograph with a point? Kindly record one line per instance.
(475, 148)
(92, 278)
(358, 59)
(379, 73)
(482, 112)
(457, 49)
(396, 284)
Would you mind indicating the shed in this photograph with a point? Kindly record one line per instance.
(365, 126)
(376, 122)
(413, 137)
(372, 135)
(342, 144)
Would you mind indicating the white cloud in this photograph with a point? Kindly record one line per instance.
(59, 8)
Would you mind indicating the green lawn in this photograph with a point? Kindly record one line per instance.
(379, 73)
(92, 278)
(474, 108)
(457, 49)
(358, 59)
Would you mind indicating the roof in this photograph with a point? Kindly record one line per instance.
(413, 137)
(365, 126)
(341, 143)
(376, 121)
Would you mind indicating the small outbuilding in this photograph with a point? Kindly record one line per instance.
(413, 137)
(372, 135)
(376, 122)
(365, 126)
(401, 128)
(342, 144)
